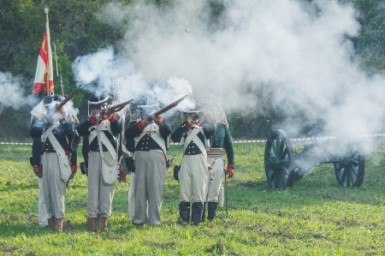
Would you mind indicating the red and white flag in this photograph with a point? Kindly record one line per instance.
(44, 69)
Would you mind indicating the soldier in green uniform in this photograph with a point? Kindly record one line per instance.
(193, 174)
(58, 159)
(221, 143)
(100, 153)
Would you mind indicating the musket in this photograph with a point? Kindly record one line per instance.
(68, 98)
(109, 110)
(170, 106)
(227, 208)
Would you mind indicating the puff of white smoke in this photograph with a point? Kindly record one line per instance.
(108, 73)
(112, 74)
(296, 52)
(11, 92)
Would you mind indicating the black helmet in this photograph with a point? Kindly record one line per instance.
(195, 111)
(146, 105)
(98, 100)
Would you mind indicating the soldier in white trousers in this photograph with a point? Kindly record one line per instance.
(127, 160)
(35, 161)
(58, 159)
(221, 143)
(101, 159)
(150, 135)
(130, 167)
(193, 174)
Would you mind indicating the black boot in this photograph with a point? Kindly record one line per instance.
(184, 212)
(212, 208)
(204, 212)
(197, 209)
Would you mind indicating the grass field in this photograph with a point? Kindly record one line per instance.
(314, 217)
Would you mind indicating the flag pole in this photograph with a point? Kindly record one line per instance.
(49, 74)
(57, 72)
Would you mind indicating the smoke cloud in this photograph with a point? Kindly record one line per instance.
(291, 56)
(11, 92)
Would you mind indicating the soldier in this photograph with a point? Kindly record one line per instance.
(127, 161)
(58, 160)
(130, 167)
(150, 135)
(193, 174)
(35, 161)
(101, 159)
(221, 143)
(129, 164)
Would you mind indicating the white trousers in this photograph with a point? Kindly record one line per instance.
(100, 194)
(216, 175)
(131, 197)
(193, 178)
(150, 177)
(54, 186)
(42, 209)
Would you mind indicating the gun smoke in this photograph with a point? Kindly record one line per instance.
(291, 56)
(108, 73)
(11, 92)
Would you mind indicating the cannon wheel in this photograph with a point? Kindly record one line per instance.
(279, 158)
(350, 171)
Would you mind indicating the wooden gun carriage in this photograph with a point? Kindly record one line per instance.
(284, 166)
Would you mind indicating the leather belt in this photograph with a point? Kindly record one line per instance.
(216, 152)
(47, 150)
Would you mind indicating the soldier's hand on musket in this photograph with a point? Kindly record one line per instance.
(112, 117)
(188, 123)
(158, 120)
(143, 123)
(93, 121)
(60, 112)
(230, 170)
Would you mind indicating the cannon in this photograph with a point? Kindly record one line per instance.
(284, 165)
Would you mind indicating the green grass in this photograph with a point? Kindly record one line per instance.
(314, 217)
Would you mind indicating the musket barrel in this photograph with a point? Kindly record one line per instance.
(170, 106)
(116, 107)
(68, 98)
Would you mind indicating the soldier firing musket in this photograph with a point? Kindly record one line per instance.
(149, 135)
(68, 98)
(100, 151)
(56, 158)
(115, 108)
(193, 173)
(168, 107)
(40, 110)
